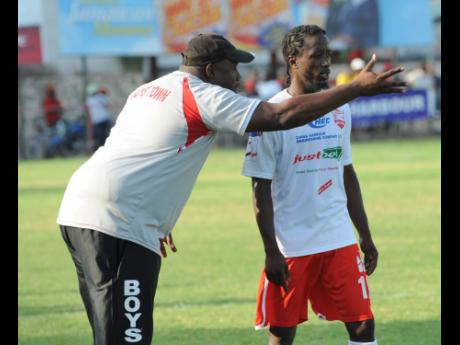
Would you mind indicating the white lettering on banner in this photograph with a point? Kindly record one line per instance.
(132, 304)
(22, 41)
(385, 106)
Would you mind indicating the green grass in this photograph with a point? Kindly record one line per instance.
(206, 292)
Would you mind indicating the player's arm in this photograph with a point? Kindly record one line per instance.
(303, 109)
(358, 216)
(276, 268)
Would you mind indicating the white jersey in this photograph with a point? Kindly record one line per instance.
(98, 106)
(136, 185)
(305, 165)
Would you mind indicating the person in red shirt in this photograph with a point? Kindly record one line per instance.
(52, 108)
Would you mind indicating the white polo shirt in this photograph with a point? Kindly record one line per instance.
(136, 185)
(305, 165)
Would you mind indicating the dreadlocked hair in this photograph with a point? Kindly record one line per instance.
(293, 43)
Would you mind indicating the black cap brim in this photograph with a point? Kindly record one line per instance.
(240, 56)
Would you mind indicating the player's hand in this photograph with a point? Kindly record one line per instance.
(371, 83)
(276, 270)
(370, 254)
(169, 241)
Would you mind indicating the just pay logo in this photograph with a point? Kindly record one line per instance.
(332, 152)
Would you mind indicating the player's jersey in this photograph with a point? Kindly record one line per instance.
(136, 185)
(305, 165)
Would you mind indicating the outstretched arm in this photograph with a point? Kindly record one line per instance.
(276, 268)
(358, 216)
(303, 109)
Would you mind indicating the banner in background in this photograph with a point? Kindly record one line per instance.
(406, 23)
(255, 24)
(406, 106)
(29, 46)
(149, 27)
(111, 27)
(368, 23)
(183, 19)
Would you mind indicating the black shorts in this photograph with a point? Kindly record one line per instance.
(100, 132)
(118, 280)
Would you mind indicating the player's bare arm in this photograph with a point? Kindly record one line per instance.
(276, 268)
(303, 109)
(358, 216)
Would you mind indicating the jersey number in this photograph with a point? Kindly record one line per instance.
(362, 281)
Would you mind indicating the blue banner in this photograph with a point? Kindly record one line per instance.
(110, 27)
(406, 106)
(405, 22)
(368, 23)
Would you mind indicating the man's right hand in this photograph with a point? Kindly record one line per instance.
(370, 83)
(276, 269)
(170, 242)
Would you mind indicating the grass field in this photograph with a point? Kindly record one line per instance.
(206, 293)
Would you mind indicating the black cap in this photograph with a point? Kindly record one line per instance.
(209, 48)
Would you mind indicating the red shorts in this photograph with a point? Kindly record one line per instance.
(335, 282)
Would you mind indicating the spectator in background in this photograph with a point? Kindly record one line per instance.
(353, 24)
(250, 84)
(424, 77)
(269, 87)
(98, 120)
(356, 65)
(52, 109)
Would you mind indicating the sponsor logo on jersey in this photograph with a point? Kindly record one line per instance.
(255, 134)
(320, 123)
(132, 305)
(324, 186)
(331, 153)
(339, 118)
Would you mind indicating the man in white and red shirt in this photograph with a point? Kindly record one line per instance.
(120, 206)
(305, 191)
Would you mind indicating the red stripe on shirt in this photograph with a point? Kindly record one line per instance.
(195, 124)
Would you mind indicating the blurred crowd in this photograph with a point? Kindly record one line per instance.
(59, 135)
(423, 76)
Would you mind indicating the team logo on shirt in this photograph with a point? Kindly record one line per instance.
(339, 118)
(320, 123)
(331, 153)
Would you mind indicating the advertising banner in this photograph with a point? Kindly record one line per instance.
(149, 27)
(110, 27)
(29, 46)
(183, 19)
(406, 106)
(255, 24)
(368, 23)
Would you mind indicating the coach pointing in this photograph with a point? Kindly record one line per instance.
(121, 205)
